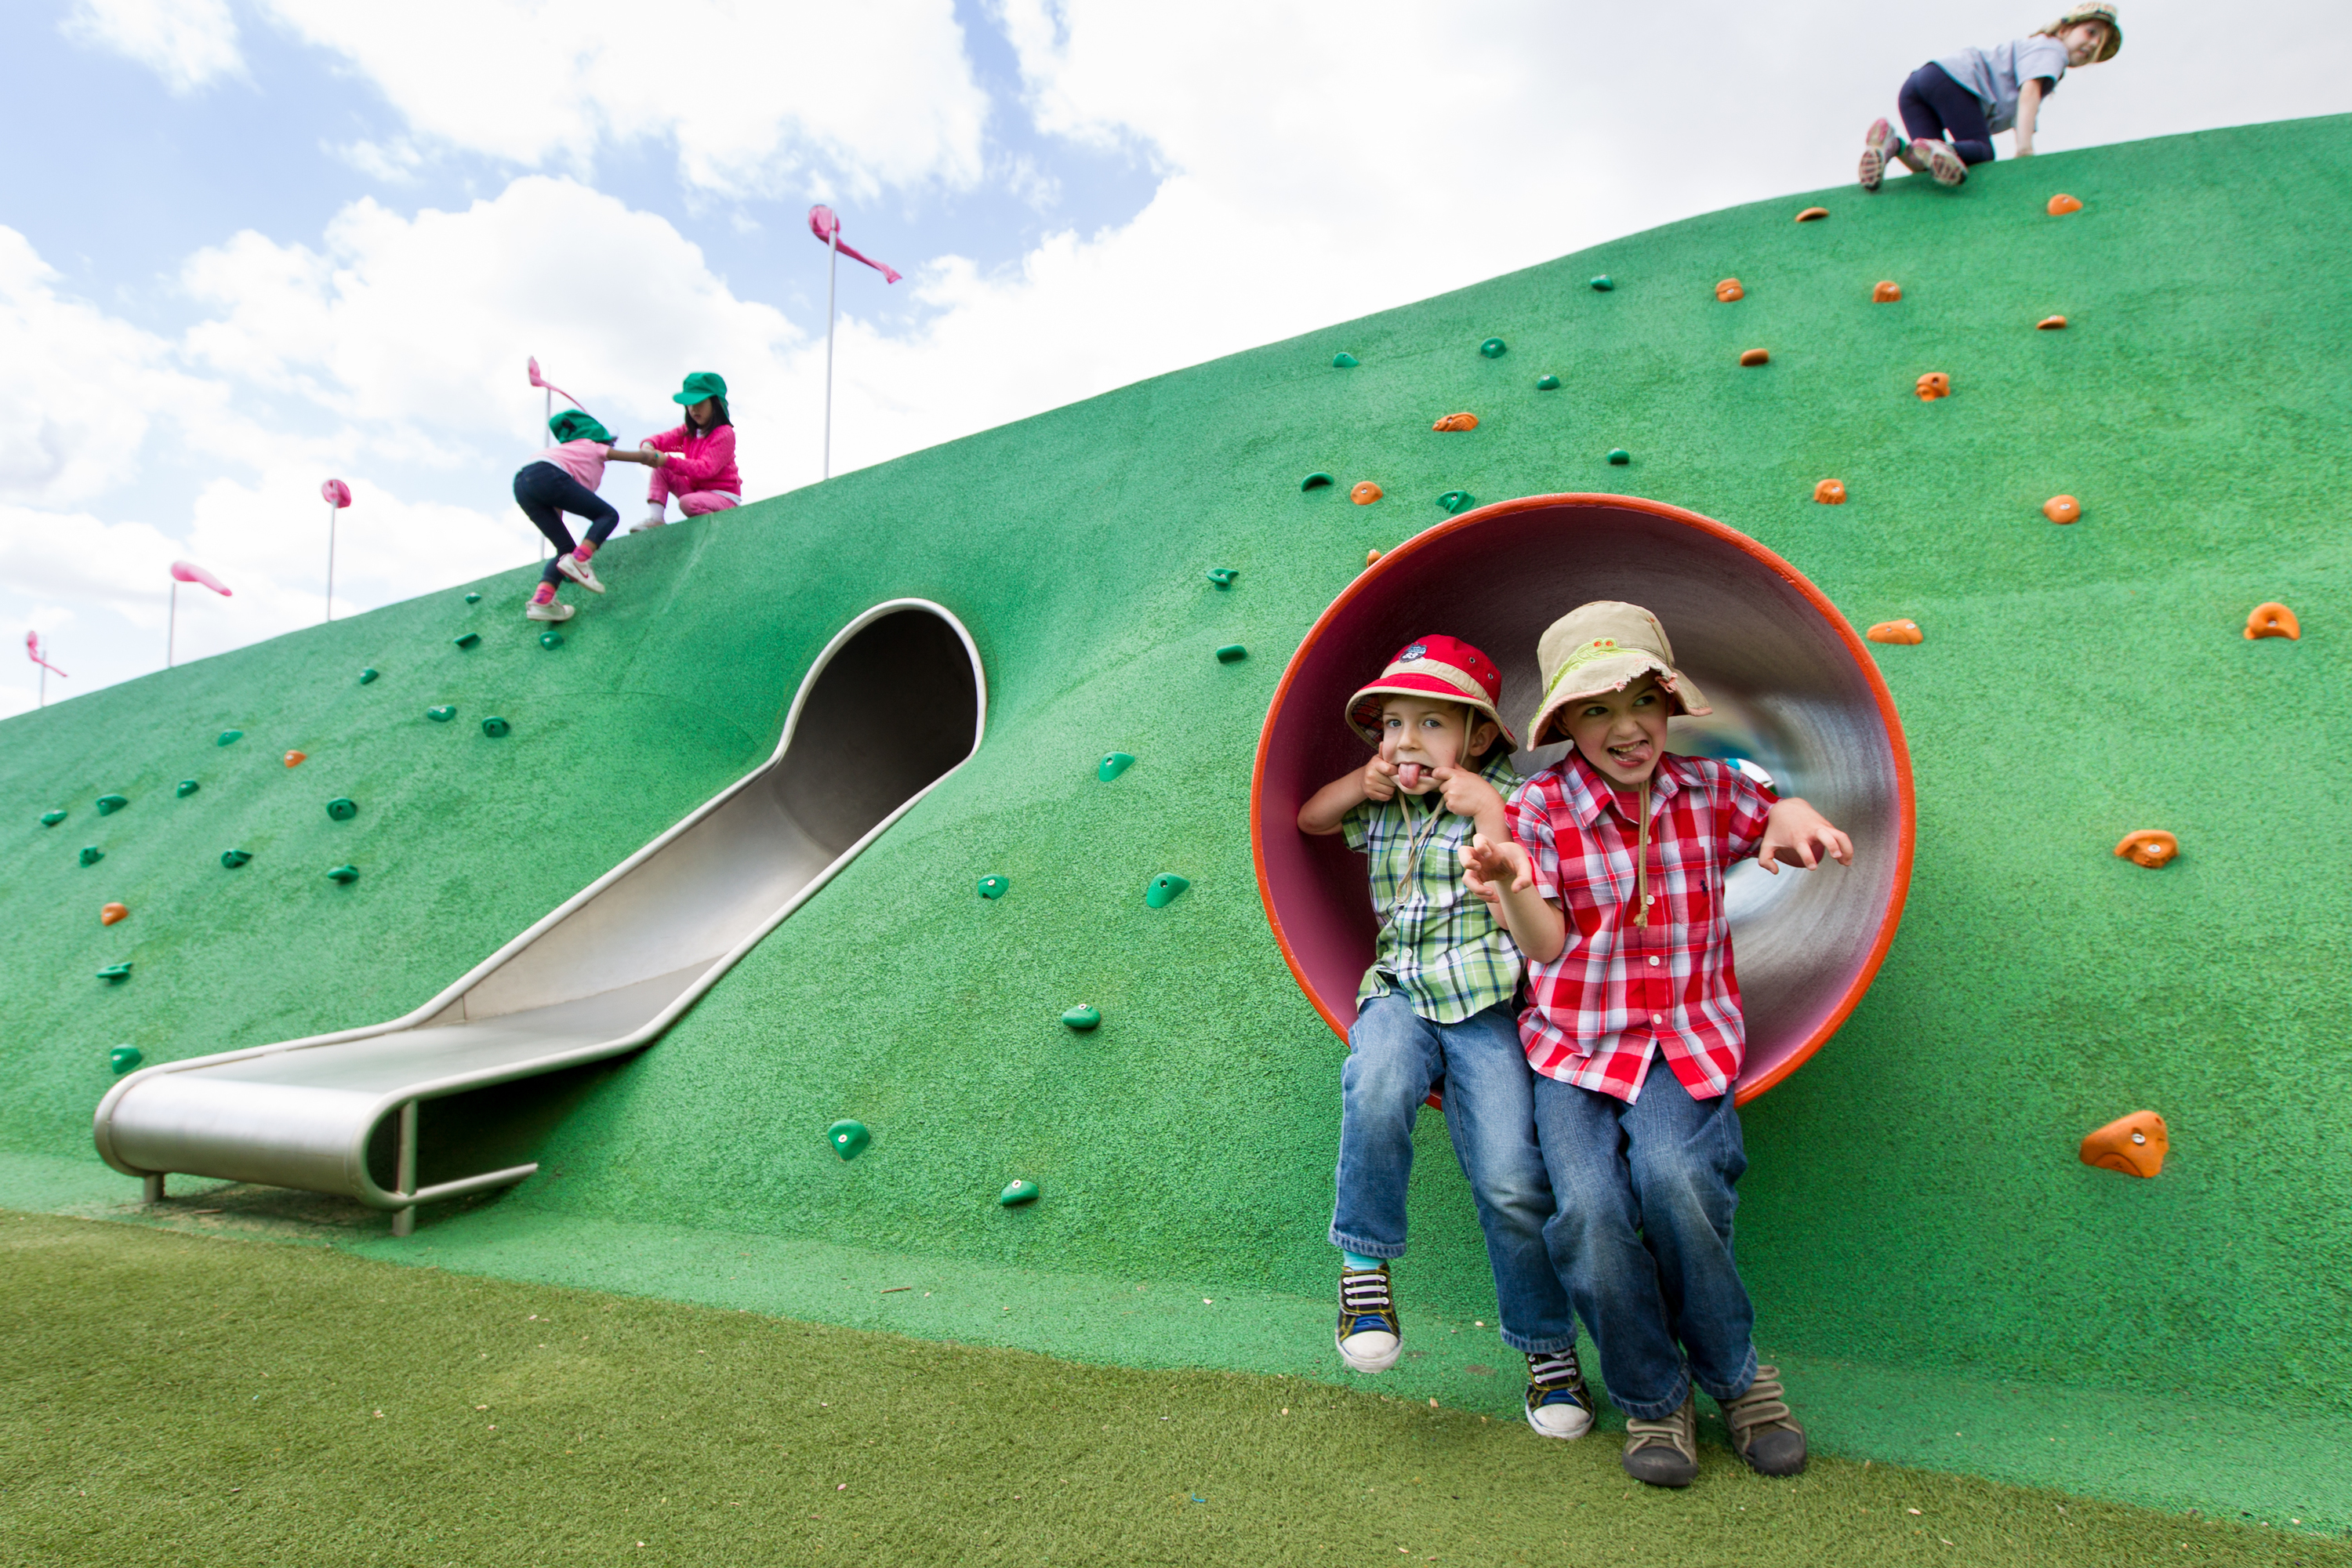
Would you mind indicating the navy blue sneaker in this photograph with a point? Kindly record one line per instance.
(1369, 1336)
(1557, 1406)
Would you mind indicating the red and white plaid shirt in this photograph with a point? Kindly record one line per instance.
(1618, 991)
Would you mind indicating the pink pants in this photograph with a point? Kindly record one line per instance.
(693, 503)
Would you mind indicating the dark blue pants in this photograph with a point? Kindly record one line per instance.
(545, 493)
(1940, 109)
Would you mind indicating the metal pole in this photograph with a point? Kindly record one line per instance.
(332, 510)
(45, 685)
(404, 1221)
(154, 1187)
(832, 266)
(546, 435)
(172, 626)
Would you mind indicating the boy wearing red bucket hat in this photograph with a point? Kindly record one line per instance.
(1440, 1002)
(1612, 883)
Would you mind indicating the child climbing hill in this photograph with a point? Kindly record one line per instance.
(564, 479)
(1953, 107)
(694, 462)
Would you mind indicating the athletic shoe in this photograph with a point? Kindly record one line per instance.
(1369, 1336)
(1763, 1432)
(1664, 1453)
(553, 610)
(1556, 1404)
(1879, 144)
(1942, 162)
(579, 571)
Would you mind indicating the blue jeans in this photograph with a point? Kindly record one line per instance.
(545, 493)
(1643, 1236)
(1394, 1057)
(1936, 107)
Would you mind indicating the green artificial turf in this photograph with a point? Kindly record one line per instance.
(191, 1400)
(1913, 1204)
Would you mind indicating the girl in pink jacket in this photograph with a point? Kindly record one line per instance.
(694, 462)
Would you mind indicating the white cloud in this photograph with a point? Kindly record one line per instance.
(186, 42)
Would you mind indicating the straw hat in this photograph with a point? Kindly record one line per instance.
(2092, 12)
(1444, 667)
(1606, 645)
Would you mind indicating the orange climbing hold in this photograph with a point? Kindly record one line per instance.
(1935, 384)
(294, 759)
(1365, 493)
(1896, 631)
(1371, 555)
(1730, 289)
(1810, 213)
(1888, 292)
(2063, 204)
(2062, 508)
(1457, 422)
(1755, 356)
(1830, 492)
(2272, 620)
(110, 913)
(2051, 323)
(2150, 846)
(2133, 1145)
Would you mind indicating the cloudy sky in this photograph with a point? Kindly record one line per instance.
(246, 244)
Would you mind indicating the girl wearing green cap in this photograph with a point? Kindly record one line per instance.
(564, 479)
(694, 462)
(1954, 106)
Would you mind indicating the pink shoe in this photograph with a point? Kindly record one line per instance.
(1879, 145)
(1942, 162)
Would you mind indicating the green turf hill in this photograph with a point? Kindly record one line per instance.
(1918, 1230)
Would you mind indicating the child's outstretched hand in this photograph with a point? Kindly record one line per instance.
(1484, 864)
(1797, 830)
(1466, 794)
(1380, 779)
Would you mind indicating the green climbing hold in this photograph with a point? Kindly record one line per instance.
(1547, 383)
(342, 808)
(51, 818)
(1456, 501)
(469, 640)
(1082, 1017)
(1222, 576)
(1113, 765)
(495, 726)
(1620, 457)
(1317, 481)
(1494, 347)
(1343, 360)
(228, 738)
(993, 886)
(367, 675)
(92, 854)
(122, 1058)
(1231, 653)
(473, 598)
(116, 971)
(187, 787)
(344, 874)
(1017, 1192)
(442, 714)
(848, 1139)
(1162, 890)
(233, 858)
(108, 804)
(551, 639)
(1602, 284)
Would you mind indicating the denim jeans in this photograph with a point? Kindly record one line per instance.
(545, 493)
(1394, 1057)
(1938, 109)
(1643, 1236)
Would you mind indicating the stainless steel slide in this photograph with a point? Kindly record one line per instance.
(894, 703)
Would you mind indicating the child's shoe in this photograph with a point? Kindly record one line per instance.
(579, 571)
(658, 517)
(1942, 162)
(553, 610)
(1763, 1432)
(1556, 1404)
(1664, 1453)
(1369, 1336)
(1880, 146)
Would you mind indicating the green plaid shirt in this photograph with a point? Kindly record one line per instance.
(1439, 944)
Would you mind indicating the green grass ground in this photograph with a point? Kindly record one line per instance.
(181, 1399)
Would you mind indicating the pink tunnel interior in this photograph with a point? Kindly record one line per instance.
(1795, 692)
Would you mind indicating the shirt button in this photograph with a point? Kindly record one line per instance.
(1649, 899)
(1653, 959)
(1654, 1019)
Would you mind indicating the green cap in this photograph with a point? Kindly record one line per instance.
(572, 424)
(702, 383)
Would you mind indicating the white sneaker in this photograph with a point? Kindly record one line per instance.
(579, 571)
(652, 519)
(1557, 1403)
(1943, 162)
(553, 610)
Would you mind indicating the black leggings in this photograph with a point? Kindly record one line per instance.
(1938, 108)
(545, 493)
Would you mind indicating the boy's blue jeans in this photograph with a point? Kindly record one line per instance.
(1394, 1057)
(1643, 1236)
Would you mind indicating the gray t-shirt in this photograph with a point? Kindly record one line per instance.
(1997, 75)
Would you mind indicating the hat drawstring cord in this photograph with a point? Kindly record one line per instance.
(1642, 865)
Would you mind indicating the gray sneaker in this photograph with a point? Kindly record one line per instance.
(1943, 162)
(1664, 1453)
(553, 610)
(1763, 1432)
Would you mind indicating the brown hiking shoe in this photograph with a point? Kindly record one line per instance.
(1763, 1432)
(1664, 1453)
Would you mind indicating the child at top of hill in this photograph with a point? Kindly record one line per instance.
(564, 479)
(1953, 107)
(1613, 884)
(694, 462)
(1440, 1002)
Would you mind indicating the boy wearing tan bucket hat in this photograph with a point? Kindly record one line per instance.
(1611, 881)
(1440, 1004)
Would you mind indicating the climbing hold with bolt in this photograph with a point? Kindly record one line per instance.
(2132, 1145)
(122, 1058)
(228, 737)
(1083, 1016)
(2268, 620)
(1317, 481)
(1620, 457)
(1017, 1192)
(110, 913)
(1455, 502)
(116, 971)
(993, 886)
(1231, 653)
(1730, 289)
(368, 675)
(1812, 214)
(92, 854)
(1830, 492)
(468, 640)
(1896, 632)
(342, 808)
(51, 818)
(108, 804)
(1457, 422)
(495, 726)
(2150, 846)
(551, 639)
(233, 858)
(1371, 555)
(344, 874)
(186, 788)
(1365, 493)
(1547, 383)
(473, 598)
(848, 1139)
(1222, 576)
(1755, 356)
(2062, 509)
(1602, 284)
(295, 759)
(1113, 765)
(2061, 203)
(1343, 360)
(1494, 347)
(1933, 385)
(1887, 292)
(2052, 324)
(442, 714)
(1162, 890)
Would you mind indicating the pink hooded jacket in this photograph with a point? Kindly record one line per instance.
(707, 462)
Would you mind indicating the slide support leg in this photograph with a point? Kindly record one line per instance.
(404, 1221)
(153, 1188)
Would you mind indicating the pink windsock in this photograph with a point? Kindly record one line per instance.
(336, 494)
(33, 652)
(825, 226)
(189, 572)
(551, 386)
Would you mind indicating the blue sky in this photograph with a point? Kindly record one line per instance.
(247, 244)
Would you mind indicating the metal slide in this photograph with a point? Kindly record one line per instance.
(895, 703)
